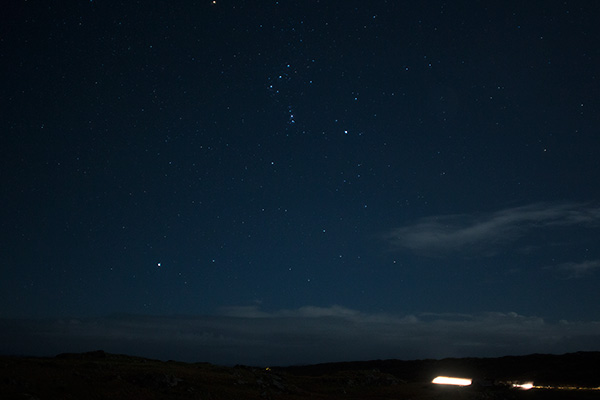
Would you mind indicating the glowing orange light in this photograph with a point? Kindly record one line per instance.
(447, 380)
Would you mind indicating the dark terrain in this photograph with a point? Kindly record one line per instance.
(99, 375)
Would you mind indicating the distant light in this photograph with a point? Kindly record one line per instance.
(447, 380)
(525, 386)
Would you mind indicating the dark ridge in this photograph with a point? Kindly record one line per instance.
(90, 355)
(581, 368)
(103, 375)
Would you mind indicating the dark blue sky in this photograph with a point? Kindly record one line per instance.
(304, 161)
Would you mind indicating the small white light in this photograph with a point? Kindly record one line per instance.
(524, 386)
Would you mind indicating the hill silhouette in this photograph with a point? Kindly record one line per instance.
(103, 375)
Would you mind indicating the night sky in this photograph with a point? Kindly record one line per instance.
(300, 181)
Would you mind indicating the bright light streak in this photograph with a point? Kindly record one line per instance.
(447, 380)
(525, 386)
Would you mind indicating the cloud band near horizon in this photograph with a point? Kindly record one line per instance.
(307, 335)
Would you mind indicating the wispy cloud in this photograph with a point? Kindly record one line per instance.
(248, 335)
(484, 233)
(577, 269)
(302, 312)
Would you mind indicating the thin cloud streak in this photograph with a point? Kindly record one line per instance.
(484, 233)
(248, 335)
(577, 269)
